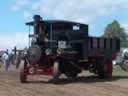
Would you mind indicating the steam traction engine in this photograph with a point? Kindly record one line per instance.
(62, 47)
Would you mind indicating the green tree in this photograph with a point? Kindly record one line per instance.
(114, 30)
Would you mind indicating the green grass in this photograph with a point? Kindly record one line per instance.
(117, 71)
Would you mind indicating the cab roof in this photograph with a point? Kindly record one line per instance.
(57, 22)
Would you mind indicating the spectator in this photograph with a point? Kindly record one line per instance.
(1, 61)
(7, 61)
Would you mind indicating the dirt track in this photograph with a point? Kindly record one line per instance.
(83, 86)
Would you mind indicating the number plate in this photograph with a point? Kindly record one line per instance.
(61, 44)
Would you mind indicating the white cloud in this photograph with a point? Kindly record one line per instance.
(125, 25)
(35, 5)
(9, 40)
(19, 4)
(79, 10)
(75, 10)
(27, 14)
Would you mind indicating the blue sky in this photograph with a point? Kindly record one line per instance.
(96, 13)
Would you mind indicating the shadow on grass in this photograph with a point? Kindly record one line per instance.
(82, 79)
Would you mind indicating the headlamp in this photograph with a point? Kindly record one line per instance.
(48, 51)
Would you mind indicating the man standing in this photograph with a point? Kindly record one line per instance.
(7, 60)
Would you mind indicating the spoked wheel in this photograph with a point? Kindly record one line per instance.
(23, 76)
(105, 69)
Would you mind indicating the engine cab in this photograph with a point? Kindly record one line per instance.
(52, 37)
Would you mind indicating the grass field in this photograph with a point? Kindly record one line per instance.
(117, 71)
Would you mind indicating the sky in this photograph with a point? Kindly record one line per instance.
(96, 13)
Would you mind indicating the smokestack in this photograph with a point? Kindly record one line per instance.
(37, 20)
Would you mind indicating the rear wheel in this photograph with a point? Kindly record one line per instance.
(109, 68)
(104, 68)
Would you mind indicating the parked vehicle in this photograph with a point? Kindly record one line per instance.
(124, 59)
(119, 58)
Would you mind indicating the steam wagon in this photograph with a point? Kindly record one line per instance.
(62, 47)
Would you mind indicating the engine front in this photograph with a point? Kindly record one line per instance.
(55, 37)
(39, 41)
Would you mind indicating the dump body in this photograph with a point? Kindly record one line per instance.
(103, 46)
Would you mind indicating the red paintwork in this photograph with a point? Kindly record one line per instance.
(109, 68)
(48, 70)
(40, 70)
(45, 70)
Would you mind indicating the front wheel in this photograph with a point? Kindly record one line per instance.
(72, 74)
(23, 76)
(56, 73)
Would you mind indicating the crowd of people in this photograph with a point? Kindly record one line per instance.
(8, 59)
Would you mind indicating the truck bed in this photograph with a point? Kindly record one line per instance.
(101, 45)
